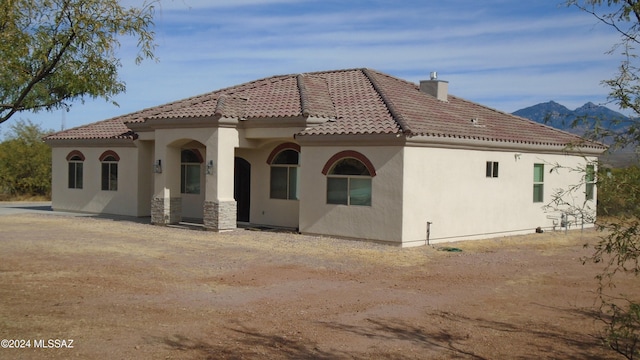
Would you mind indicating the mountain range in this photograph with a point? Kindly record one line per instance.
(560, 117)
(580, 121)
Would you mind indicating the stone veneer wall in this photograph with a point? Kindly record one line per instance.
(220, 215)
(161, 215)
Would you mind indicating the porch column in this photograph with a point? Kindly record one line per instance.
(166, 204)
(220, 204)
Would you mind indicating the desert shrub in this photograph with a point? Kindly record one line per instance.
(25, 161)
(619, 191)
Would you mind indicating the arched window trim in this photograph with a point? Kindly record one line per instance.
(108, 153)
(278, 149)
(349, 190)
(197, 153)
(349, 154)
(75, 153)
(75, 161)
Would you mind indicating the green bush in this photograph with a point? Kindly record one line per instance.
(25, 162)
(619, 192)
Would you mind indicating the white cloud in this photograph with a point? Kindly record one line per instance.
(504, 54)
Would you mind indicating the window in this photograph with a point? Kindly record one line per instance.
(75, 159)
(590, 180)
(349, 183)
(109, 161)
(492, 169)
(284, 175)
(190, 172)
(538, 183)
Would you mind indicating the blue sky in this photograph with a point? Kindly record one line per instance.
(501, 53)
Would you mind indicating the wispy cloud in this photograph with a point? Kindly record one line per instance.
(501, 53)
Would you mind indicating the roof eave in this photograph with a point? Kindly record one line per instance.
(184, 122)
(504, 145)
(92, 142)
(379, 139)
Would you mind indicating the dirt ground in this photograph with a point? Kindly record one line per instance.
(126, 290)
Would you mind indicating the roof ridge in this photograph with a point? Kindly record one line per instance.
(229, 90)
(220, 105)
(253, 84)
(210, 95)
(89, 124)
(315, 96)
(223, 105)
(304, 95)
(395, 113)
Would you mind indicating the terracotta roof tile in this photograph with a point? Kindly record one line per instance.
(315, 97)
(354, 101)
(107, 129)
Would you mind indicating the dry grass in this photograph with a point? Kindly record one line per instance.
(142, 237)
(132, 290)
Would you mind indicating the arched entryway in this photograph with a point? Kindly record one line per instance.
(242, 188)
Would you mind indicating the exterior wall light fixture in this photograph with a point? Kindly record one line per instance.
(157, 167)
(210, 167)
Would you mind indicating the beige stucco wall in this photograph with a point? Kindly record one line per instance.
(91, 198)
(380, 221)
(167, 148)
(449, 188)
(214, 144)
(264, 210)
(145, 176)
(137, 182)
(413, 185)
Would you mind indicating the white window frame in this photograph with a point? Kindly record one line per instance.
(350, 188)
(292, 178)
(112, 182)
(185, 175)
(78, 172)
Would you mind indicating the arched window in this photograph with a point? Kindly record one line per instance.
(76, 161)
(349, 180)
(284, 175)
(109, 160)
(190, 171)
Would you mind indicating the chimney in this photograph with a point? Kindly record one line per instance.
(434, 87)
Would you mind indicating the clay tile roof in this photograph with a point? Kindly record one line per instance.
(352, 101)
(315, 97)
(359, 109)
(107, 129)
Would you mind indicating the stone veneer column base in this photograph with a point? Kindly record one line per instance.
(220, 215)
(163, 213)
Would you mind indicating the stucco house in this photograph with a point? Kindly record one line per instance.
(352, 153)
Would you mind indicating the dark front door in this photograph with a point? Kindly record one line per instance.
(242, 190)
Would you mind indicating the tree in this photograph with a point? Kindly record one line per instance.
(25, 161)
(619, 247)
(53, 52)
(624, 17)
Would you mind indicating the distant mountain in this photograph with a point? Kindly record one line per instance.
(580, 121)
(560, 117)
